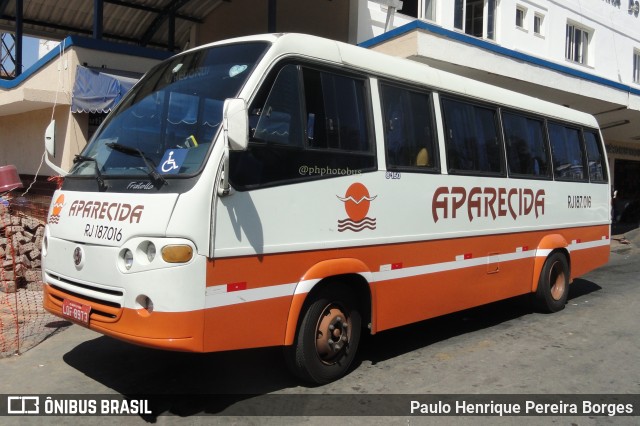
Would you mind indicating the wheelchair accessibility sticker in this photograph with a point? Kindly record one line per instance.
(172, 160)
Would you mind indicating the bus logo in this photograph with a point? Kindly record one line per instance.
(77, 256)
(57, 209)
(356, 204)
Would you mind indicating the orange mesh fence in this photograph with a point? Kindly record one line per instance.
(23, 321)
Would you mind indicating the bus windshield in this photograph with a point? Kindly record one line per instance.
(168, 121)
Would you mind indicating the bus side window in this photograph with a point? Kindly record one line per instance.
(336, 112)
(278, 120)
(567, 152)
(526, 145)
(275, 132)
(597, 170)
(312, 124)
(408, 127)
(473, 145)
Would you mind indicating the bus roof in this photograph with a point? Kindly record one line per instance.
(405, 70)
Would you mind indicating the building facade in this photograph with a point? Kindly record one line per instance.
(582, 54)
(45, 92)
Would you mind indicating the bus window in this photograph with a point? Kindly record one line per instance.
(279, 119)
(472, 140)
(336, 112)
(567, 152)
(408, 129)
(525, 143)
(327, 135)
(595, 157)
(178, 106)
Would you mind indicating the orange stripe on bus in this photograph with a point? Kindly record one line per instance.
(408, 296)
(285, 268)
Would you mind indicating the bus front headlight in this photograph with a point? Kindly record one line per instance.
(146, 252)
(151, 252)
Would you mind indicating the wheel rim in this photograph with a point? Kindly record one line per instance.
(332, 334)
(557, 280)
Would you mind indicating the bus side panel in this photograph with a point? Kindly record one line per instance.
(488, 269)
(589, 248)
(415, 299)
(583, 261)
(453, 275)
(249, 298)
(246, 325)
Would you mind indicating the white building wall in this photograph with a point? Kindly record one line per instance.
(615, 32)
(522, 60)
(525, 39)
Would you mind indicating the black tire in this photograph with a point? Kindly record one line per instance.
(553, 285)
(327, 338)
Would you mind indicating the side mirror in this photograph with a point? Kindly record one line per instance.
(50, 147)
(235, 121)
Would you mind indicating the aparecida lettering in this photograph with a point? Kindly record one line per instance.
(105, 210)
(486, 202)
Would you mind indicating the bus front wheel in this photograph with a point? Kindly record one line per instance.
(553, 285)
(327, 338)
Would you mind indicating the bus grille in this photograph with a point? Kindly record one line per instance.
(103, 309)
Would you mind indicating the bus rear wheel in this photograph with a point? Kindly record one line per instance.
(553, 285)
(327, 338)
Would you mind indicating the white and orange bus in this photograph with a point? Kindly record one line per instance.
(287, 190)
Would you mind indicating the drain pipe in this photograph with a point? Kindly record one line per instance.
(392, 6)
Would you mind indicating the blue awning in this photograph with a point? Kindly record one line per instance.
(98, 90)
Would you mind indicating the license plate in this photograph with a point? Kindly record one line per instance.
(75, 311)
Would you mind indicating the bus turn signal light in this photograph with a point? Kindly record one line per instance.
(177, 253)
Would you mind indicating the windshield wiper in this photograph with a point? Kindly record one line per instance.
(152, 172)
(81, 159)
